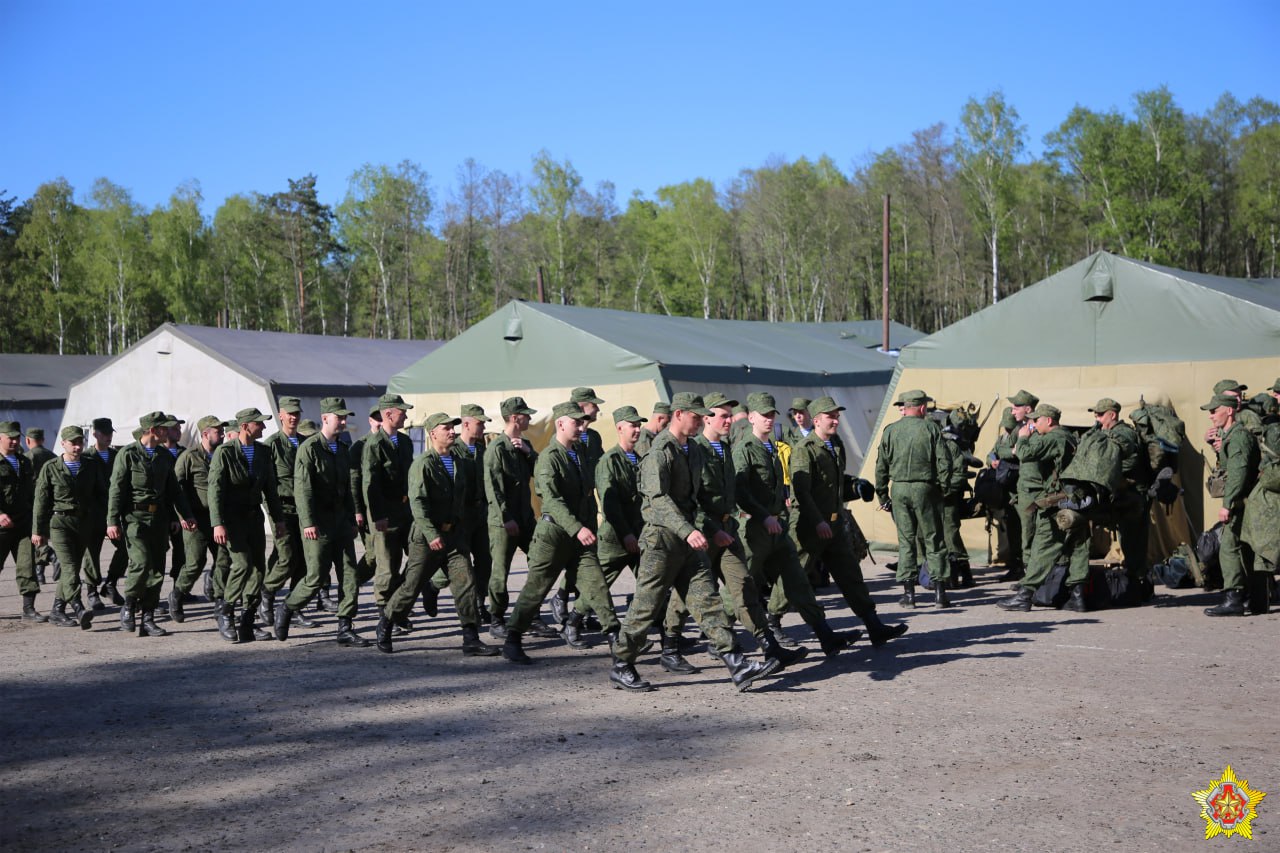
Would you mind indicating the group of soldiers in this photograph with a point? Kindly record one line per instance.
(719, 511)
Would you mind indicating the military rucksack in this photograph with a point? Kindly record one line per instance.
(1162, 432)
(1098, 462)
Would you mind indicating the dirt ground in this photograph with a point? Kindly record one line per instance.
(978, 730)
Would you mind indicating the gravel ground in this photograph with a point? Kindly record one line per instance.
(978, 730)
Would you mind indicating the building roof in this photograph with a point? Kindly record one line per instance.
(32, 380)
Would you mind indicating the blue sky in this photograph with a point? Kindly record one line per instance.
(242, 96)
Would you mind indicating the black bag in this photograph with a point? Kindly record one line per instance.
(1007, 475)
(987, 489)
(1053, 592)
(1105, 587)
(1174, 573)
(1207, 548)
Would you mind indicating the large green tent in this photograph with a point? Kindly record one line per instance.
(1107, 326)
(542, 351)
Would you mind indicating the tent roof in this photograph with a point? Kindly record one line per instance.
(526, 344)
(1155, 314)
(35, 379)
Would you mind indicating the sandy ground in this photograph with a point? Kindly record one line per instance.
(978, 730)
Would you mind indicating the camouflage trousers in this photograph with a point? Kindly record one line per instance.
(333, 547)
(68, 542)
(774, 562)
(917, 513)
(738, 590)
(554, 551)
(1051, 545)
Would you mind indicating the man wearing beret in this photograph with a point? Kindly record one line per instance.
(68, 494)
(1240, 457)
(1133, 506)
(192, 473)
(143, 495)
(508, 470)
(564, 539)
(673, 553)
(384, 467)
(657, 423)
(103, 430)
(286, 565)
(1021, 405)
(912, 456)
(1044, 450)
(242, 475)
(326, 517)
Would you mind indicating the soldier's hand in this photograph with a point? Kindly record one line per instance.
(5, 520)
(772, 526)
(1224, 515)
(188, 524)
(629, 542)
(1025, 430)
(586, 537)
(37, 539)
(381, 525)
(723, 539)
(824, 530)
(360, 520)
(113, 532)
(219, 534)
(310, 533)
(512, 528)
(697, 541)
(436, 544)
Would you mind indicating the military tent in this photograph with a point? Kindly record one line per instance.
(542, 351)
(1108, 326)
(34, 388)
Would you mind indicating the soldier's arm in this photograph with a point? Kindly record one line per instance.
(609, 484)
(42, 506)
(271, 495)
(177, 497)
(882, 468)
(304, 486)
(420, 497)
(1235, 462)
(802, 486)
(550, 478)
(655, 485)
(217, 488)
(117, 494)
(374, 475)
(495, 480)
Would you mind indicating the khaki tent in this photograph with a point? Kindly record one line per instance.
(1105, 327)
(541, 352)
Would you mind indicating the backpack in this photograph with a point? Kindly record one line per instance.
(1174, 573)
(1162, 432)
(1097, 462)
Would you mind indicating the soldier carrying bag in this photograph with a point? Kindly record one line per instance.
(1217, 482)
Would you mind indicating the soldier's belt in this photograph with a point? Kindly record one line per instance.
(152, 508)
(834, 516)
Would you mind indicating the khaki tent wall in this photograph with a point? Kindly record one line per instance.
(1183, 385)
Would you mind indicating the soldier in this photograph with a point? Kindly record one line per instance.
(1021, 405)
(618, 487)
(69, 494)
(741, 426)
(1240, 457)
(590, 404)
(286, 565)
(913, 457)
(40, 456)
(172, 442)
(959, 460)
(1002, 455)
(192, 473)
(325, 501)
(1133, 506)
(438, 496)
(97, 528)
(657, 423)
(1044, 449)
(242, 475)
(143, 494)
(672, 553)
(365, 565)
(17, 491)
(771, 553)
(801, 422)
(508, 469)
(384, 467)
(565, 538)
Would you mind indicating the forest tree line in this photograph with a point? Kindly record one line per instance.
(974, 219)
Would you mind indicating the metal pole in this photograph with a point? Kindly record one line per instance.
(884, 300)
(542, 295)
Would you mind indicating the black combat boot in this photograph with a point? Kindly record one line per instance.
(29, 612)
(559, 602)
(149, 628)
(176, 613)
(784, 657)
(40, 576)
(1020, 600)
(1232, 604)
(128, 623)
(940, 598)
(208, 585)
(227, 621)
(383, 632)
(625, 677)
(430, 599)
(109, 590)
(963, 573)
(282, 617)
(58, 615)
(486, 618)
(246, 631)
(95, 601)
(880, 633)
(327, 602)
(908, 595)
(671, 659)
(400, 626)
(513, 649)
(1075, 602)
(498, 629)
(774, 623)
(833, 642)
(473, 646)
(1259, 592)
(591, 624)
(572, 632)
(347, 635)
(266, 607)
(538, 628)
(300, 618)
(83, 616)
(1016, 572)
(745, 672)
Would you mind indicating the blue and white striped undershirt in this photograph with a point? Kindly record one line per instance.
(447, 461)
(293, 439)
(631, 456)
(248, 453)
(104, 455)
(719, 448)
(73, 467)
(12, 459)
(333, 448)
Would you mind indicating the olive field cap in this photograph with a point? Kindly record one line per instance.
(1227, 386)
(471, 410)
(308, 428)
(1007, 420)
(717, 399)
(912, 398)
(1220, 400)
(173, 420)
(740, 409)
(393, 401)
(584, 395)
(1266, 403)
(35, 432)
(151, 420)
(1025, 398)
(103, 425)
(290, 405)
(375, 412)
(661, 408)
(335, 406)
(137, 433)
(1044, 410)
(515, 406)
(1106, 404)
(627, 414)
(440, 419)
(823, 405)
(251, 415)
(1276, 386)
(10, 428)
(230, 424)
(208, 421)
(71, 433)
(761, 402)
(687, 401)
(568, 409)
(799, 404)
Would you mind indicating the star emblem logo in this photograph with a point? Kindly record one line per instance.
(1228, 806)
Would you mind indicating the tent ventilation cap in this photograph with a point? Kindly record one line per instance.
(515, 330)
(1099, 284)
